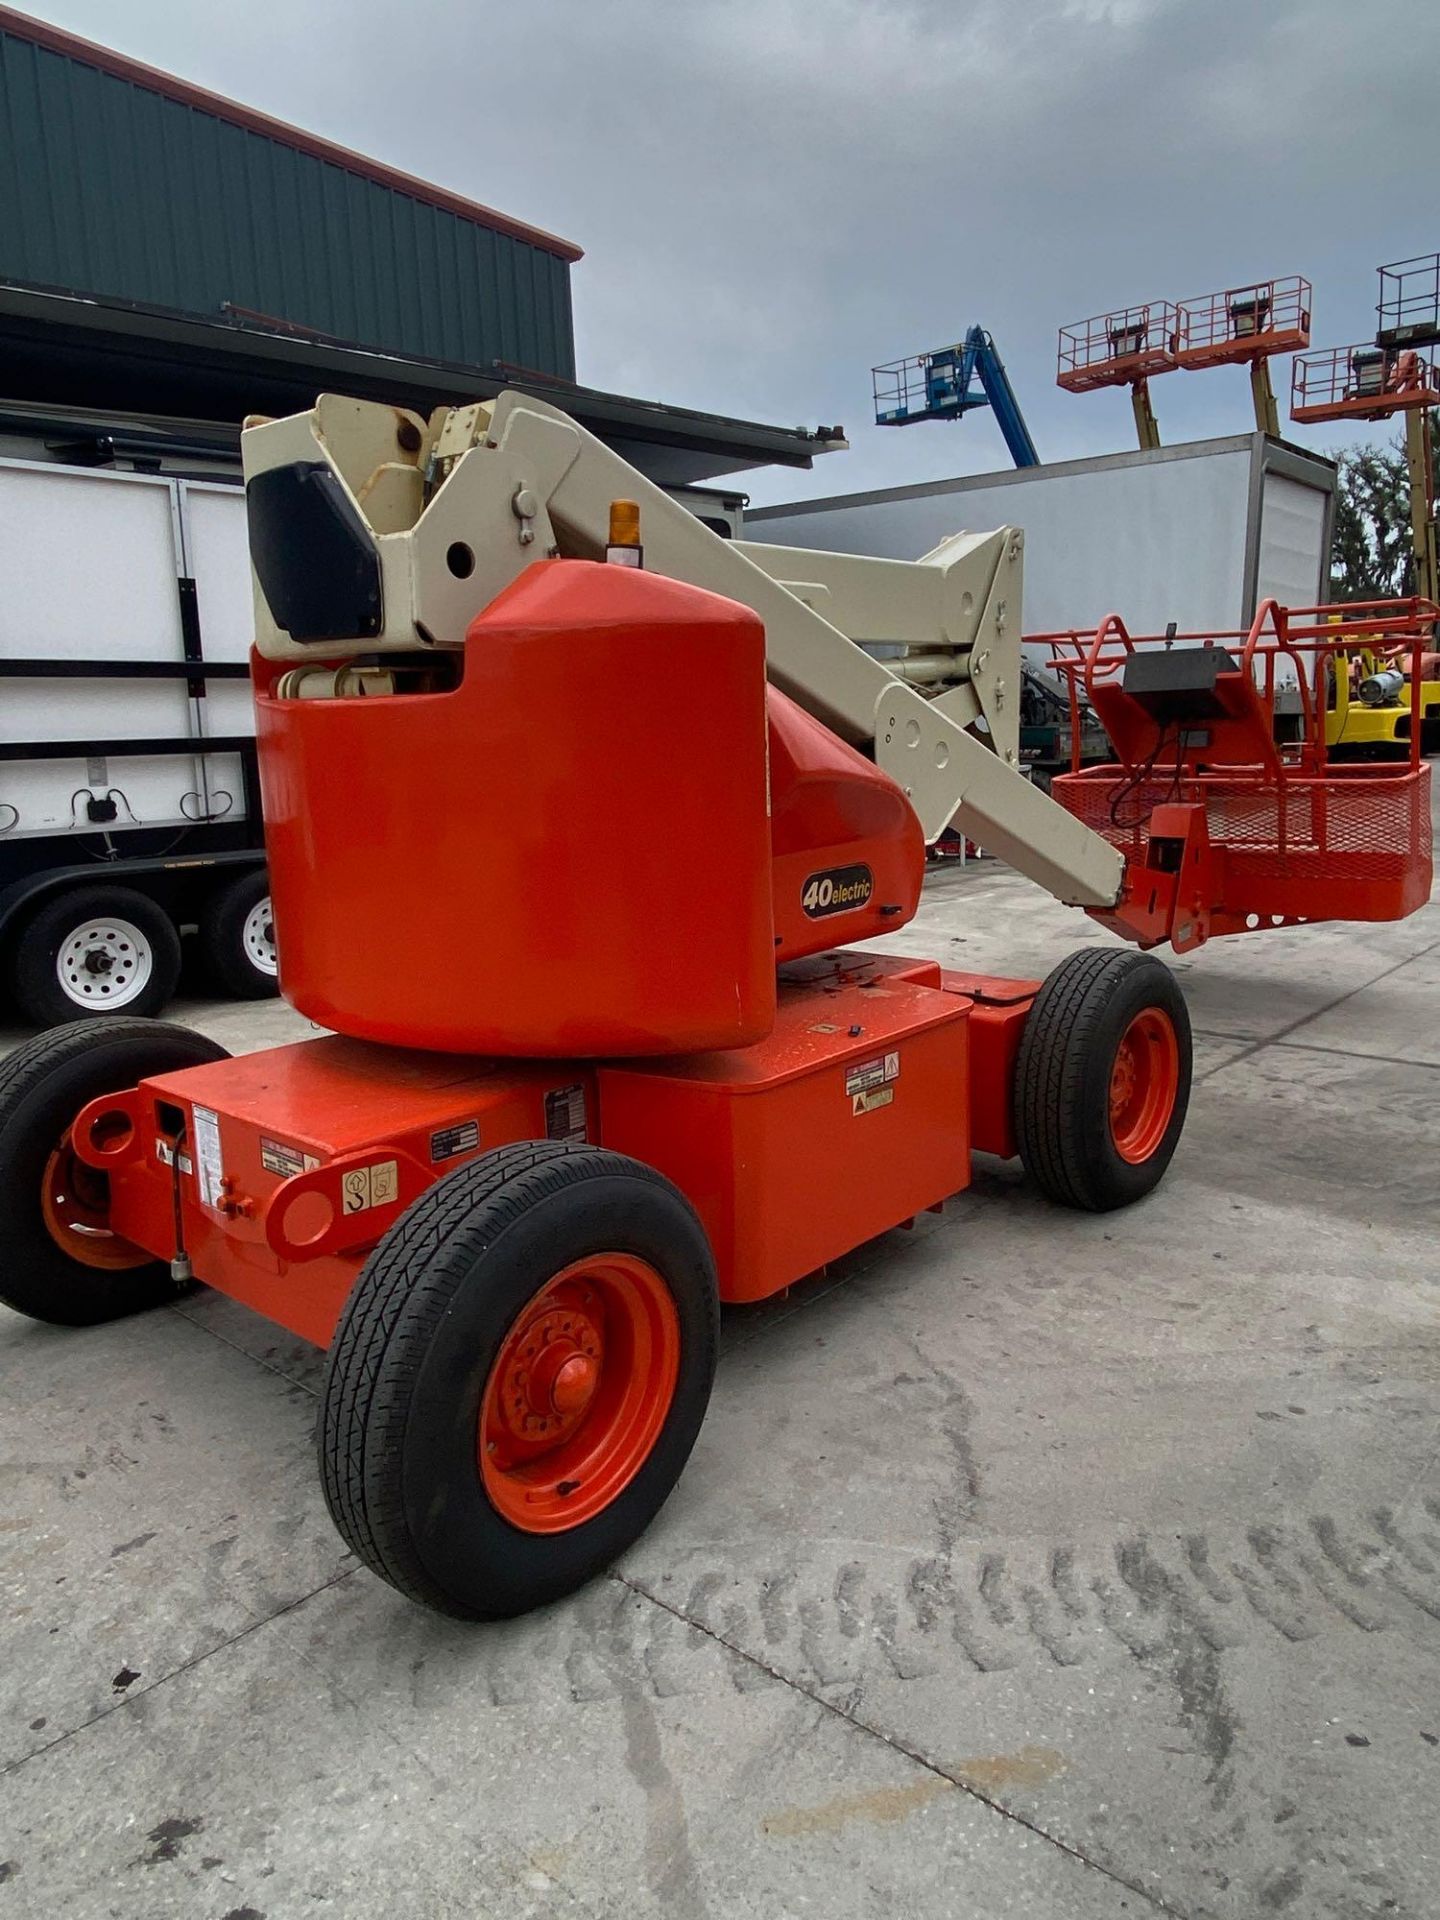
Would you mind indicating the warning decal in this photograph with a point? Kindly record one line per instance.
(276, 1157)
(374, 1186)
(868, 1102)
(872, 1073)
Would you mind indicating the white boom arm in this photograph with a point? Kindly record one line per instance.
(460, 505)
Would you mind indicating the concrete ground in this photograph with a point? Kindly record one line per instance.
(1028, 1564)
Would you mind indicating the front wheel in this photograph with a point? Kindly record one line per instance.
(1102, 1079)
(518, 1377)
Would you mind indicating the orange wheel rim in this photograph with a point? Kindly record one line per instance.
(75, 1204)
(579, 1393)
(1144, 1082)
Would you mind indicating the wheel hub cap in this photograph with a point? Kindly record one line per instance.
(549, 1375)
(75, 1206)
(258, 938)
(1144, 1084)
(578, 1393)
(104, 963)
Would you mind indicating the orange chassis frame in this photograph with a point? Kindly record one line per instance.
(274, 1174)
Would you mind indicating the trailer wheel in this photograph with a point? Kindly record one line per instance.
(1102, 1079)
(59, 1259)
(518, 1377)
(93, 951)
(237, 937)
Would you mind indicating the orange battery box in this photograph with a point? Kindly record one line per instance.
(849, 1119)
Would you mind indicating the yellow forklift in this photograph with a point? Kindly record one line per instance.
(1370, 706)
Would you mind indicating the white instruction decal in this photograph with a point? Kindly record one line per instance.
(373, 1186)
(211, 1169)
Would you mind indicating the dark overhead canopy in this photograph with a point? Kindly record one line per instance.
(64, 351)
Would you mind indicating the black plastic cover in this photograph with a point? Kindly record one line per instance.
(1177, 683)
(314, 556)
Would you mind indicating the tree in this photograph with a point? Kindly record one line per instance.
(1370, 557)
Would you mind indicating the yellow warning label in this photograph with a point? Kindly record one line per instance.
(868, 1102)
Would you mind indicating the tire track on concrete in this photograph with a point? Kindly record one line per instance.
(836, 1616)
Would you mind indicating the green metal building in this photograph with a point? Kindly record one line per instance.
(171, 261)
(122, 182)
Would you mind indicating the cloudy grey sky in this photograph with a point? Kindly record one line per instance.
(774, 194)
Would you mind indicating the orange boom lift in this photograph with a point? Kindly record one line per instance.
(1245, 326)
(581, 1087)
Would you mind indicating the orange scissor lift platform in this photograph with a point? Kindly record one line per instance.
(1224, 830)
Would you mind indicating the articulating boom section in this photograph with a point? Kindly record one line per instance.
(425, 523)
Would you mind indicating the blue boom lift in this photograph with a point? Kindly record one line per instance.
(941, 386)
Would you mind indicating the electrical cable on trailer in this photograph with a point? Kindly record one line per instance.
(201, 818)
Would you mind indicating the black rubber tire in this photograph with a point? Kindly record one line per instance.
(35, 983)
(1062, 1077)
(222, 939)
(415, 1345)
(43, 1085)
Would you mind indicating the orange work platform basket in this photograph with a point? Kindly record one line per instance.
(1243, 323)
(1364, 382)
(1225, 829)
(1117, 349)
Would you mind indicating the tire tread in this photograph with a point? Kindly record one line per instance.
(403, 1293)
(1056, 1054)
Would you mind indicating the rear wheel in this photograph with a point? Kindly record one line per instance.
(518, 1377)
(95, 951)
(1102, 1080)
(60, 1259)
(237, 938)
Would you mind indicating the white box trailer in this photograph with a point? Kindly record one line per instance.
(129, 803)
(1199, 534)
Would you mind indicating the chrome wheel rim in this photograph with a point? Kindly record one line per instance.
(104, 963)
(258, 938)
